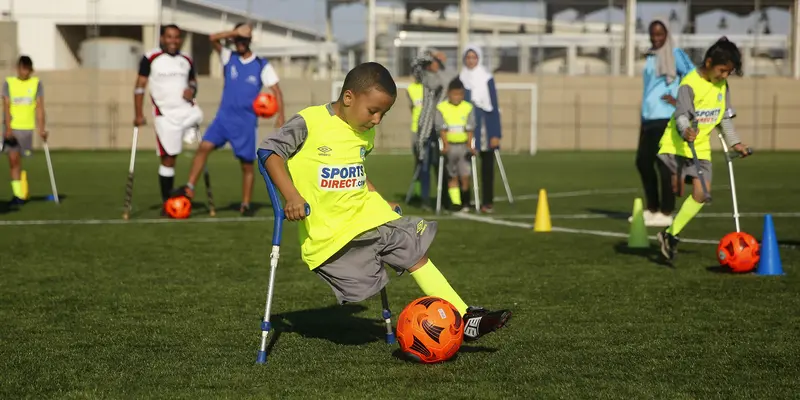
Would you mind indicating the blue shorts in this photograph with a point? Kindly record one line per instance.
(240, 134)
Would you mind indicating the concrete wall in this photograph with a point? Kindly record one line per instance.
(94, 110)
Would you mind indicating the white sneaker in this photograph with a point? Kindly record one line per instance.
(646, 214)
(659, 219)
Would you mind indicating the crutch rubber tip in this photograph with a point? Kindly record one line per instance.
(262, 357)
(390, 338)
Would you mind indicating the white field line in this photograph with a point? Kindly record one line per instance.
(626, 215)
(590, 192)
(493, 221)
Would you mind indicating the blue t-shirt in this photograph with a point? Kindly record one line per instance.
(243, 81)
(655, 87)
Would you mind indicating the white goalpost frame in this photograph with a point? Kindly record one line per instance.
(336, 87)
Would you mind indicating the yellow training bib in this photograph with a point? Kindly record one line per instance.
(329, 173)
(455, 120)
(709, 105)
(415, 92)
(22, 99)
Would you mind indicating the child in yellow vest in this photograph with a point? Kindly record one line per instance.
(415, 94)
(455, 123)
(703, 105)
(23, 100)
(352, 230)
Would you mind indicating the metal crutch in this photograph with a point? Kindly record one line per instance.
(503, 175)
(729, 156)
(52, 176)
(475, 186)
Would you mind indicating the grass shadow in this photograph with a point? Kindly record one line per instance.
(61, 198)
(718, 269)
(254, 206)
(6, 207)
(611, 214)
(337, 324)
(652, 254)
(398, 354)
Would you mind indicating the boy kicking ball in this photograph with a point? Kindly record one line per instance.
(704, 104)
(352, 230)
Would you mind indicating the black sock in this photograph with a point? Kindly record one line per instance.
(465, 198)
(166, 183)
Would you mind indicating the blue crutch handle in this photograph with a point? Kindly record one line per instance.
(277, 207)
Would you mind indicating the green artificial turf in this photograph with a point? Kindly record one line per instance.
(91, 307)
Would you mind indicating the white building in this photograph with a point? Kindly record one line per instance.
(67, 34)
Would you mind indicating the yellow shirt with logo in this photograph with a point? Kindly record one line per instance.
(415, 94)
(707, 102)
(326, 162)
(22, 95)
(456, 120)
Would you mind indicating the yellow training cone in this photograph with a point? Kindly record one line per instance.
(542, 222)
(637, 238)
(24, 185)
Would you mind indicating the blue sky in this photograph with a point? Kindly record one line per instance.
(349, 20)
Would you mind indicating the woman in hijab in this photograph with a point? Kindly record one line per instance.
(481, 92)
(666, 65)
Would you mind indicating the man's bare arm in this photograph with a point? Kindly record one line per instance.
(7, 115)
(276, 90)
(215, 38)
(40, 115)
(138, 98)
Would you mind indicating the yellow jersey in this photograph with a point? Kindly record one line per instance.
(709, 109)
(328, 171)
(22, 96)
(456, 120)
(415, 94)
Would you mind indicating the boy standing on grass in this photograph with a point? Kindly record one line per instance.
(23, 112)
(352, 230)
(455, 123)
(236, 121)
(703, 105)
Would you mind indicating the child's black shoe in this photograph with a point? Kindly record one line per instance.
(479, 321)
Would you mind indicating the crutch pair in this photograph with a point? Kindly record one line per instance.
(129, 185)
(729, 156)
(277, 232)
(475, 185)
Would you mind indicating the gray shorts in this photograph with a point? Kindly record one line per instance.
(357, 273)
(458, 164)
(684, 167)
(22, 142)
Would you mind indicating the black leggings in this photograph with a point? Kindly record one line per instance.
(647, 162)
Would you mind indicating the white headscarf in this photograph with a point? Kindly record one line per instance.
(476, 80)
(665, 58)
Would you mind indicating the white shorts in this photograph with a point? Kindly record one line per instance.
(175, 127)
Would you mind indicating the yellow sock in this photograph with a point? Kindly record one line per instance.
(16, 187)
(433, 283)
(455, 195)
(688, 210)
(24, 180)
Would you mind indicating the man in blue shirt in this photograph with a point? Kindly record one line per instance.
(236, 122)
(663, 71)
